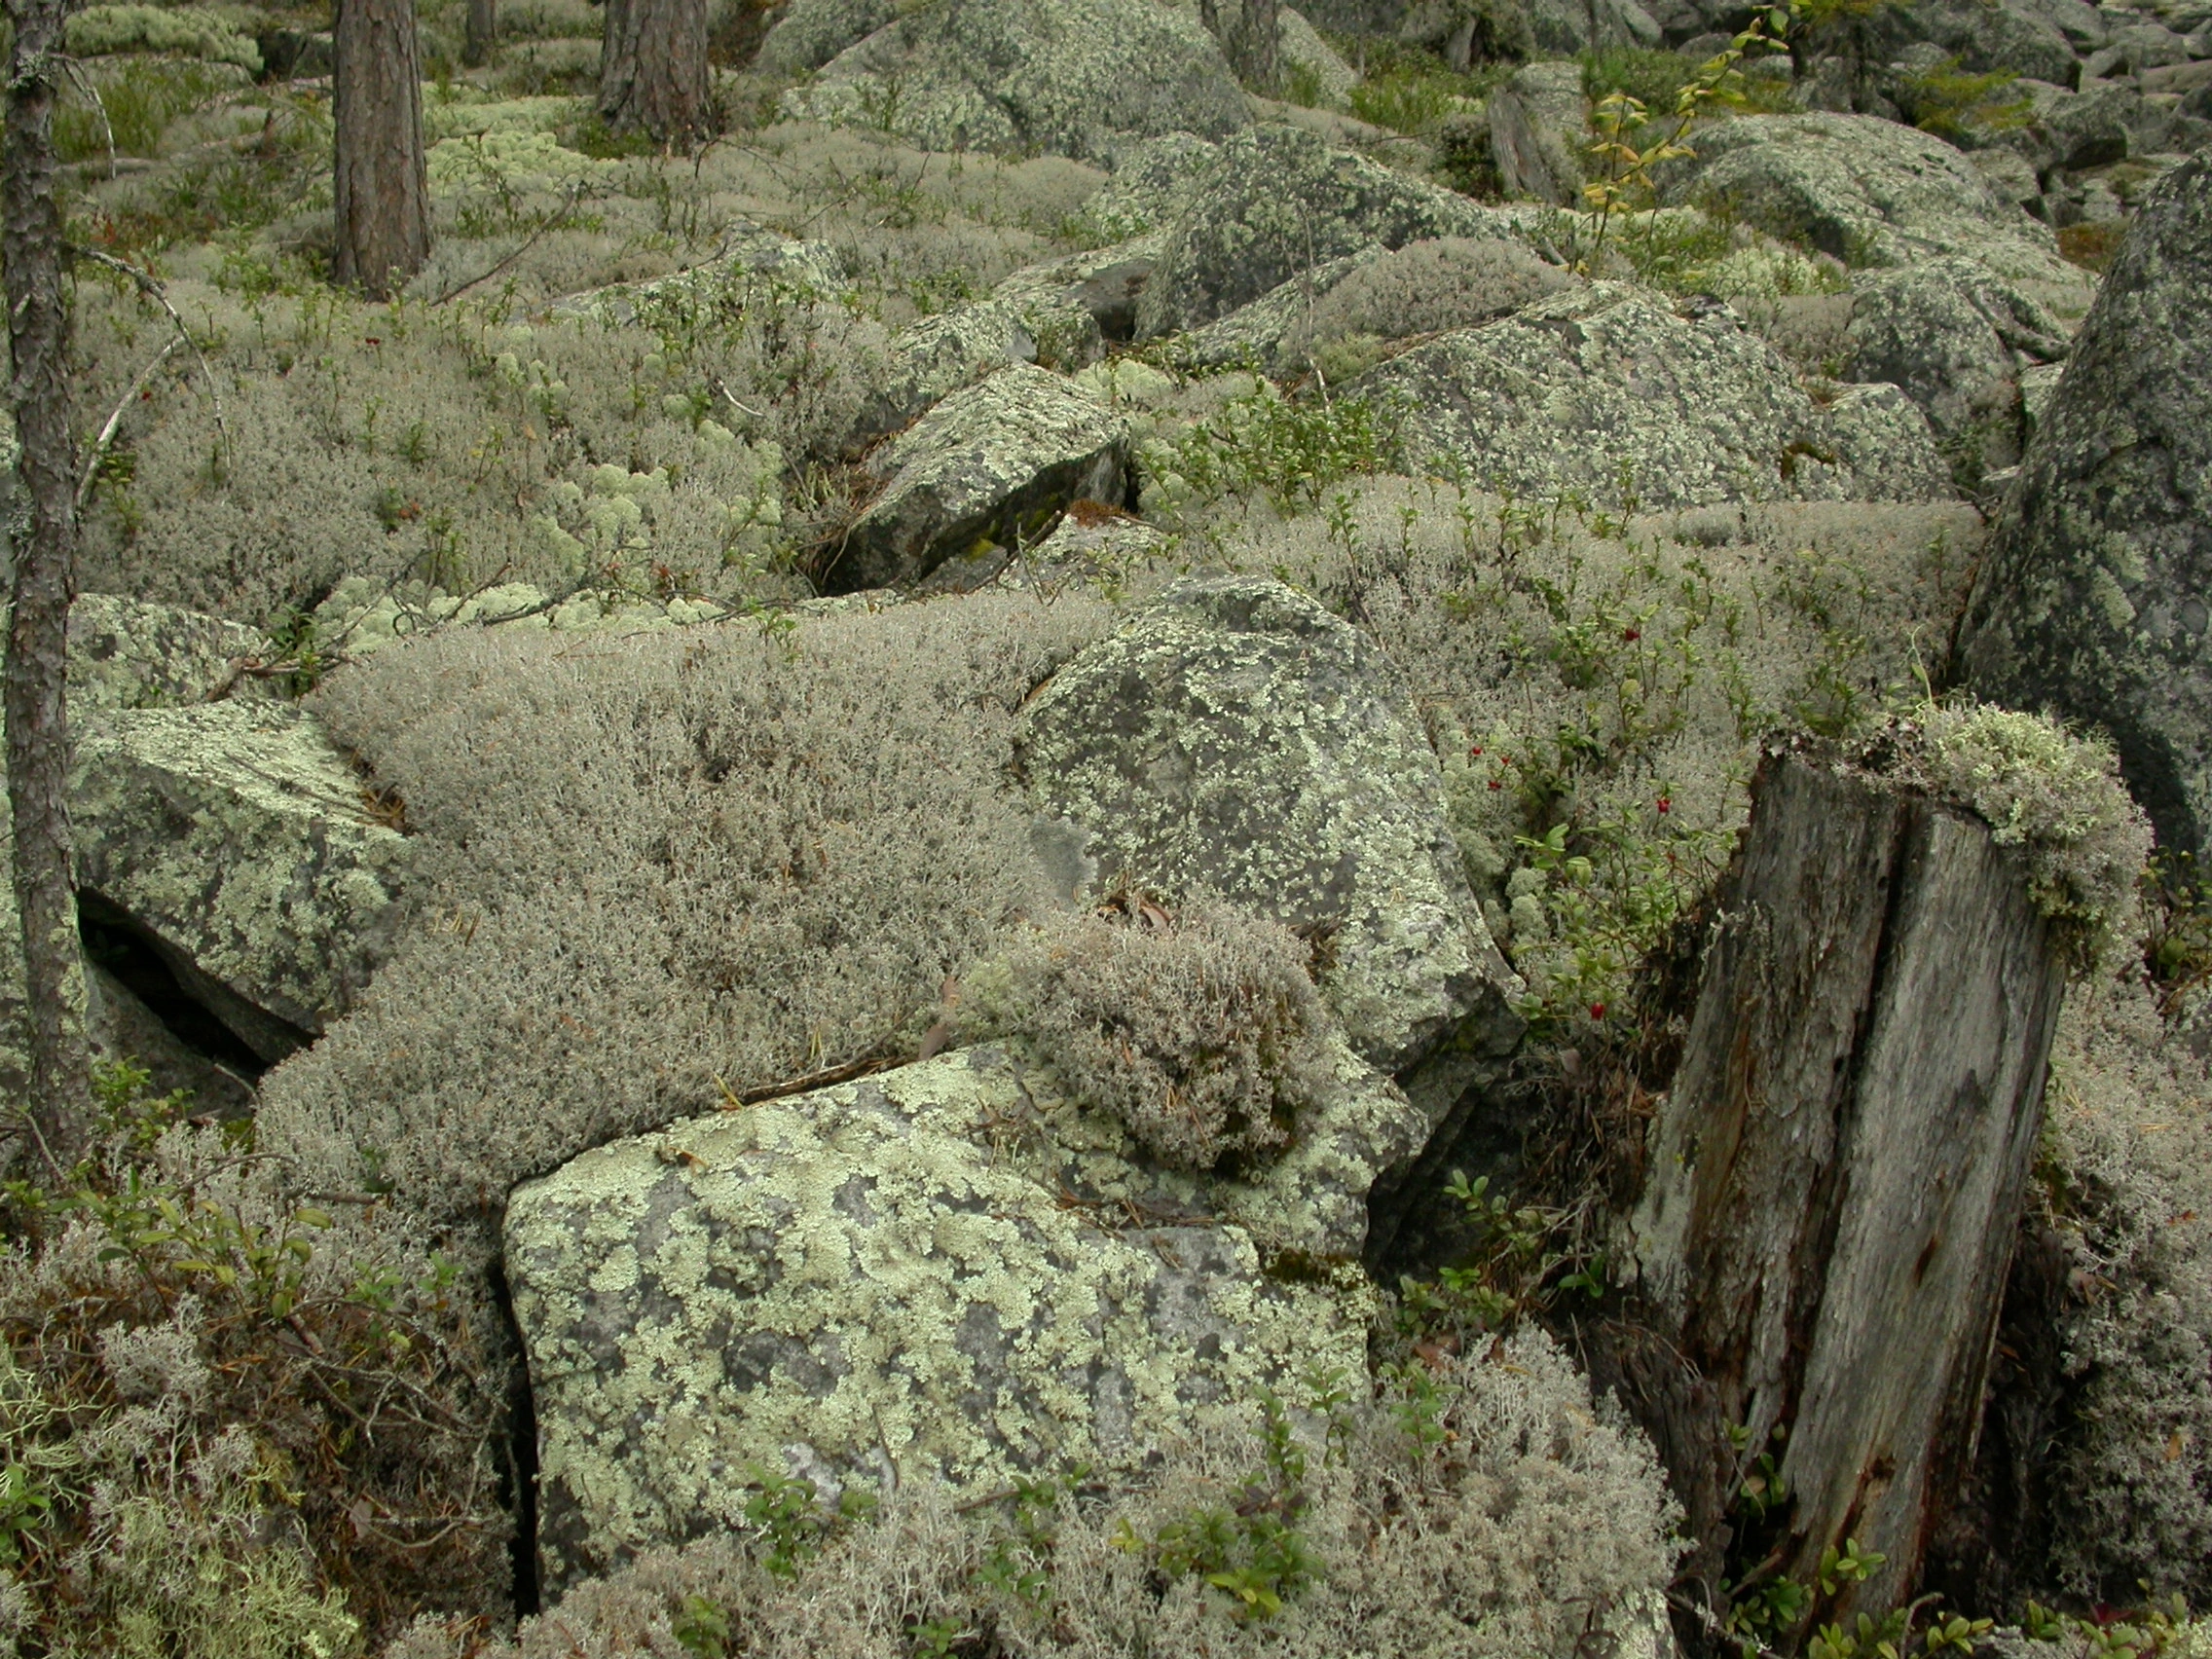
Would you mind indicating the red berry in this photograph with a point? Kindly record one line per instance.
(1665, 803)
(1596, 1010)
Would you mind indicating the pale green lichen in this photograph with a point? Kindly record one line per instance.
(882, 1280)
(2056, 796)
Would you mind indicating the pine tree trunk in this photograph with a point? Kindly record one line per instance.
(652, 69)
(482, 34)
(45, 583)
(1836, 1181)
(382, 187)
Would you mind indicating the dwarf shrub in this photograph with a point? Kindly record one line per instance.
(233, 1424)
(1200, 1030)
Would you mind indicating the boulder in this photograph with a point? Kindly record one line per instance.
(1238, 738)
(1257, 335)
(1276, 202)
(1065, 77)
(240, 846)
(1873, 192)
(756, 264)
(812, 32)
(126, 654)
(1878, 448)
(1576, 391)
(1426, 287)
(1570, 27)
(2091, 599)
(1373, 296)
(995, 461)
(1149, 184)
(1978, 35)
(948, 1271)
(1954, 336)
(1539, 133)
(1310, 65)
(1105, 282)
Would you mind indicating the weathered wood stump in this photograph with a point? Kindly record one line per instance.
(1834, 1179)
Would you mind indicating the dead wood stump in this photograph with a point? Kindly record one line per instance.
(1834, 1179)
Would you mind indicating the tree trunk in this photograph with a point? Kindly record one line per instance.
(652, 69)
(482, 33)
(1248, 40)
(382, 188)
(1836, 1181)
(44, 556)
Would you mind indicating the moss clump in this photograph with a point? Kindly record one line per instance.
(2052, 794)
(1200, 1031)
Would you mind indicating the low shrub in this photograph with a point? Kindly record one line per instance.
(1200, 1030)
(233, 1424)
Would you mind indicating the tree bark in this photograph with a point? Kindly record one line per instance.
(45, 555)
(1249, 40)
(381, 185)
(652, 69)
(1835, 1180)
(481, 34)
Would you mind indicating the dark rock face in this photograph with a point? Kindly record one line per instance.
(2092, 601)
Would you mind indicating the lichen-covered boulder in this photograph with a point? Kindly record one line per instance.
(1277, 200)
(1539, 133)
(1878, 447)
(1570, 27)
(993, 463)
(946, 1272)
(1237, 737)
(1308, 63)
(1149, 181)
(1602, 383)
(1979, 35)
(811, 32)
(1872, 192)
(241, 845)
(2092, 599)
(1257, 335)
(1954, 336)
(126, 654)
(757, 267)
(1066, 77)
(1370, 297)
(937, 356)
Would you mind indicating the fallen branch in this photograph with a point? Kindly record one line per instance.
(152, 288)
(115, 419)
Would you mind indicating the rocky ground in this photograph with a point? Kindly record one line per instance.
(911, 888)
